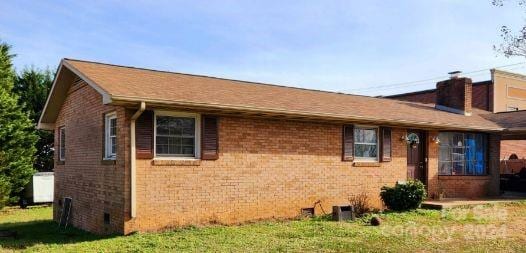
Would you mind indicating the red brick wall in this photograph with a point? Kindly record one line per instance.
(95, 188)
(509, 147)
(429, 97)
(432, 165)
(455, 93)
(266, 169)
(464, 186)
(482, 96)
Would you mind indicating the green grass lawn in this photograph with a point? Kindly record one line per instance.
(495, 228)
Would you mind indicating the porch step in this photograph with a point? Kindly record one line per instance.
(459, 203)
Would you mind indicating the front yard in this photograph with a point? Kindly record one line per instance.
(494, 228)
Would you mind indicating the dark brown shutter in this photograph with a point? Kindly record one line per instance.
(144, 135)
(209, 138)
(348, 143)
(386, 144)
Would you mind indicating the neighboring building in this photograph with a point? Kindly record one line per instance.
(482, 96)
(505, 92)
(143, 150)
(509, 91)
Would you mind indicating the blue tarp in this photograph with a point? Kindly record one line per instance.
(475, 160)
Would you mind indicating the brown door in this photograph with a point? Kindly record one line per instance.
(416, 156)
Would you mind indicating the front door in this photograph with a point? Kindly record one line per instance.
(416, 156)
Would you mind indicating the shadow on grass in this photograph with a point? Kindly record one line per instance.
(43, 232)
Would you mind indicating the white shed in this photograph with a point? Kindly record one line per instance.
(40, 189)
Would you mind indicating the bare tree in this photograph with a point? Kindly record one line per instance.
(514, 43)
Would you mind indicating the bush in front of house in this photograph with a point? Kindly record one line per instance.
(360, 203)
(404, 196)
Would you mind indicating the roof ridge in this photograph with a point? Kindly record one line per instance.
(222, 78)
(258, 83)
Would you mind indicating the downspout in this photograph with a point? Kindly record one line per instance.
(133, 162)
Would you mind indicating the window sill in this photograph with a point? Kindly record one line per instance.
(176, 162)
(61, 162)
(366, 164)
(107, 161)
(464, 177)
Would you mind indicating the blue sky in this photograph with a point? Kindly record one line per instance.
(346, 46)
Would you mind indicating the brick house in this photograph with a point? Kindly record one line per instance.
(505, 92)
(144, 150)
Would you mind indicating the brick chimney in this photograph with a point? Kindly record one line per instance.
(455, 95)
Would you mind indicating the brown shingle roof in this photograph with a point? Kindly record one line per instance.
(135, 84)
(510, 120)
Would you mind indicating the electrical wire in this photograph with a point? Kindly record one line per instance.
(424, 81)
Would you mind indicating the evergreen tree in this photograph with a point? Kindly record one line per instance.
(6, 67)
(17, 138)
(32, 86)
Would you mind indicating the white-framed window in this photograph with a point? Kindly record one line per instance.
(110, 136)
(62, 144)
(365, 143)
(177, 135)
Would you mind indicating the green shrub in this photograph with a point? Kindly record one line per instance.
(406, 196)
(17, 136)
